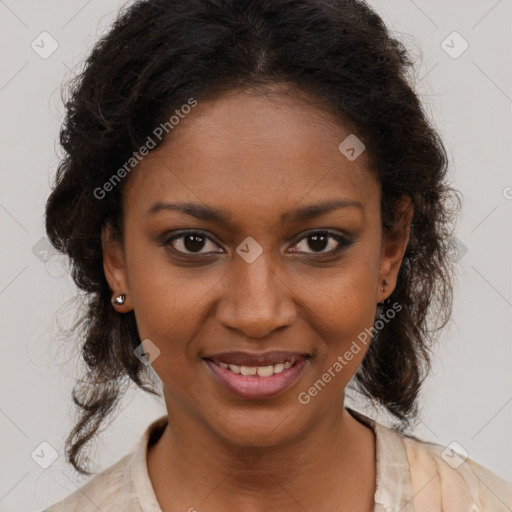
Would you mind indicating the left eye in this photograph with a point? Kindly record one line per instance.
(320, 240)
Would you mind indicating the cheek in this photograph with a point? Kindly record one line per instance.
(162, 294)
(170, 304)
(343, 311)
(166, 312)
(343, 298)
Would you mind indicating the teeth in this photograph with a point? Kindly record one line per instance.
(248, 370)
(261, 371)
(265, 371)
(278, 368)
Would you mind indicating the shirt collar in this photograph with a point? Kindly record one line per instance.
(393, 482)
(393, 479)
(137, 469)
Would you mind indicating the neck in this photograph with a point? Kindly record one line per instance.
(190, 463)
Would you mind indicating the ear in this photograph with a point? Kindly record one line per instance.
(394, 246)
(114, 266)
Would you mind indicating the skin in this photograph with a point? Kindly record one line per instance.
(256, 155)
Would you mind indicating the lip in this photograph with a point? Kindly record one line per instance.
(253, 386)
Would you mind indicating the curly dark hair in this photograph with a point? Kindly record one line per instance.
(160, 53)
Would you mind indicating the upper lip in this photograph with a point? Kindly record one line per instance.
(258, 359)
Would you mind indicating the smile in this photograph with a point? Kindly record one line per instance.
(257, 382)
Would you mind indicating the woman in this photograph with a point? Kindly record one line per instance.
(256, 206)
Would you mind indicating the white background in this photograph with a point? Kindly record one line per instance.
(468, 397)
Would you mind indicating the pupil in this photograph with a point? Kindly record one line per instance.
(191, 242)
(317, 242)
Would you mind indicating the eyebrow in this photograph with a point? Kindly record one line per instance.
(213, 214)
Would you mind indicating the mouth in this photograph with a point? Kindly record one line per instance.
(257, 375)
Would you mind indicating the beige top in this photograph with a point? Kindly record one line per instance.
(412, 476)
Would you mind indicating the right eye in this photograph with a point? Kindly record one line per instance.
(190, 243)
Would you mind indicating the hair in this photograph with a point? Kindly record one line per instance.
(160, 53)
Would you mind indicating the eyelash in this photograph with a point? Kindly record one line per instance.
(342, 241)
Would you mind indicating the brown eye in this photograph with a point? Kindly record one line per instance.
(318, 241)
(191, 242)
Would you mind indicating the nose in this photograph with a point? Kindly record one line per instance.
(255, 299)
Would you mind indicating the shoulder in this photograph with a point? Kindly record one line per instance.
(443, 477)
(101, 492)
(122, 487)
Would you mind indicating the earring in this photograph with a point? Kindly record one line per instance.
(119, 300)
(382, 288)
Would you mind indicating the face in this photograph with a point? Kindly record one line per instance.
(287, 254)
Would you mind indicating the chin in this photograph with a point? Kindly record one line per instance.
(265, 428)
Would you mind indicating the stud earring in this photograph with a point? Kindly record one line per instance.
(119, 300)
(382, 288)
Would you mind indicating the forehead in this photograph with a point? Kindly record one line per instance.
(265, 151)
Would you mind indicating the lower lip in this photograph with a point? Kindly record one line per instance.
(252, 386)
